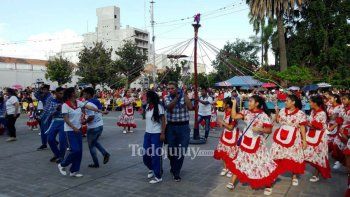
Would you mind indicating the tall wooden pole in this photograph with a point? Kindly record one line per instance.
(196, 124)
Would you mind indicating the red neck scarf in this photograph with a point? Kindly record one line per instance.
(70, 104)
(256, 111)
(292, 113)
(150, 107)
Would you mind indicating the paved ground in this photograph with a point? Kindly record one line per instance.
(27, 172)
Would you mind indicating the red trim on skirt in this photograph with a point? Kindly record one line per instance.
(254, 183)
(126, 125)
(324, 171)
(288, 165)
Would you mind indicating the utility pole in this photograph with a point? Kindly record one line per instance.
(153, 44)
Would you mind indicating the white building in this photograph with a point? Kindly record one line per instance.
(162, 61)
(109, 32)
(24, 72)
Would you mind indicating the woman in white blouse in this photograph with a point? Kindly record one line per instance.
(12, 113)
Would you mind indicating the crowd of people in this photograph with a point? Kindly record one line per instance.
(299, 135)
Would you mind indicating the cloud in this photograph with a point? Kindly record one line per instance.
(39, 46)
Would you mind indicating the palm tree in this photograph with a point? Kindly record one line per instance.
(271, 9)
(266, 30)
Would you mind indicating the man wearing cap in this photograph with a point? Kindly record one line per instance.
(43, 94)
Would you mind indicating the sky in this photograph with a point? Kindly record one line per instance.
(37, 28)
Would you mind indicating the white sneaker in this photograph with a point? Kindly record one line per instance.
(337, 165)
(62, 170)
(268, 191)
(230, 186)
(124, 131)
(295, 182)
(75, 174)
(314, 179)
(155, 180)
(229, 174)
(11, 139)
(223, 172)
(131, 131)
(150, 174)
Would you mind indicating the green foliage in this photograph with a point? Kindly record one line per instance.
(170, 74)
(237, 58)
(95, 65)
(318, 39)
(60, 70)
(130, 62)
(296, 75)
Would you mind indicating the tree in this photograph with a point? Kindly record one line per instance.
(130, 61)
(275, 8)
(267, 31)
(170, 74)
(59, 69)
(318, 38)
(95, 65)
(237, 58)
(296, 75)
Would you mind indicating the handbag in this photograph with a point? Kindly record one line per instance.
(239, 141)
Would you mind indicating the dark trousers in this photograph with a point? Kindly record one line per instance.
(178, 138)
(207, 124)
(153, 150)
(75, 144)
(11, 121)
(92, 137)
(56, 128)
(43, 128)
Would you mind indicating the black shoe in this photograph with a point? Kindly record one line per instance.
(54, 159)
(106, 158)
(42, 147)
(58, 160)
(93, 166)
(177, 178)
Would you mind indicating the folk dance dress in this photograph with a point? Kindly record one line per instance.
(287, 147)
(213, 118)
(334, 119)
(253, 164)
(345, 129)
(227, 149)
(32, 121)
(335, 143)
(126, 119)
(316, 152)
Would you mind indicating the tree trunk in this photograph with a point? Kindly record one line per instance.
(266, 51)
(281, 43)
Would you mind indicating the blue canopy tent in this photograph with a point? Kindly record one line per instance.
(311, 87)
(240, 81)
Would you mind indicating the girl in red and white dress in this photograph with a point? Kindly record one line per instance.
(227, 149)
(316, 153)
(254, 164)
(289, 140)
(32, 122)
(213, 117)
(334, 122)
(126, 119)
(345, 134)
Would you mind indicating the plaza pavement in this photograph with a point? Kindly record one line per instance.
(27, 172)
